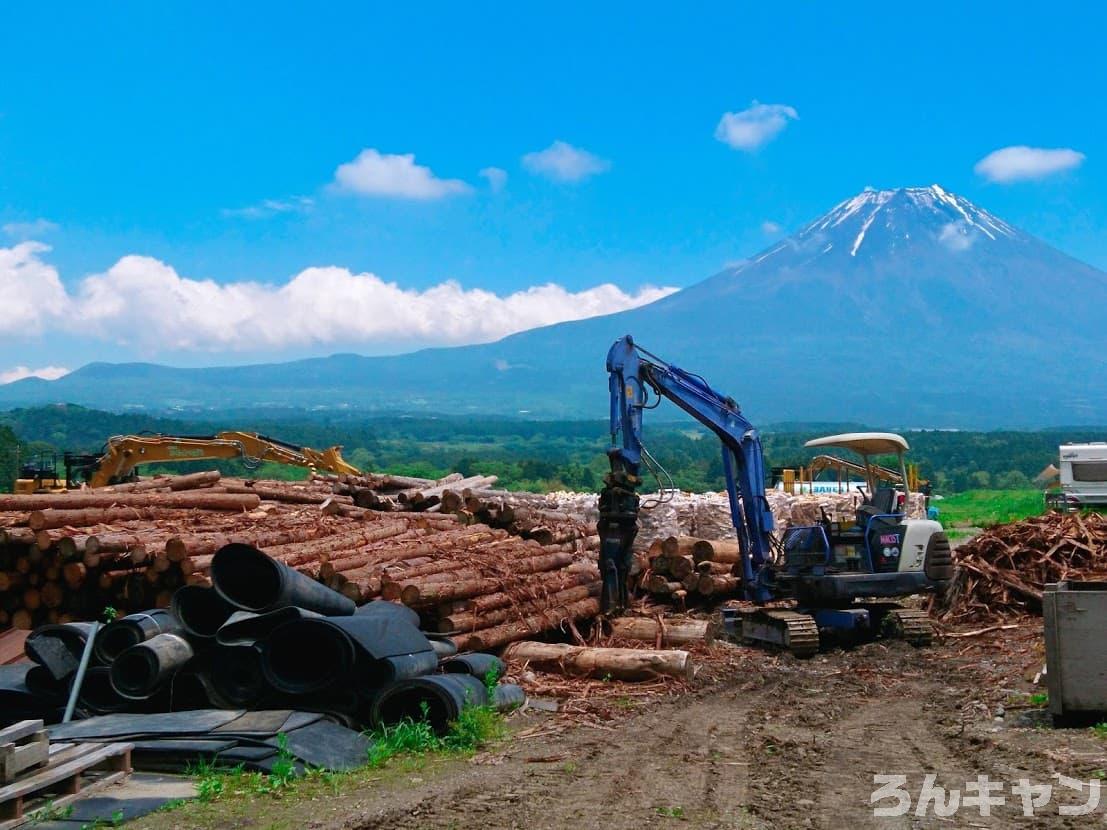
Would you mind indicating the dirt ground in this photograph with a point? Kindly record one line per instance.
(770, 742)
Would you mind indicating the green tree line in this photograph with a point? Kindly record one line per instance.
(524, 454)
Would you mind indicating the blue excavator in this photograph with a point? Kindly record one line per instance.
(835, 580)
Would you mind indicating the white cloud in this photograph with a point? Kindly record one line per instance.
(374, 173)
(21, 372)
(1019, 163)
(271, 207)
(32, 291)
(770, 228)
(957, 236)
(496, 177)
(30, 230)
(750, 128)
(563, 162)
(317, 306)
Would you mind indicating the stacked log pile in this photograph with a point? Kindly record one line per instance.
(685, 570)
(1001, 573)
(480, 570)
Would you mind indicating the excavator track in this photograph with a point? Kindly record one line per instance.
(909, 624)
(794, 632)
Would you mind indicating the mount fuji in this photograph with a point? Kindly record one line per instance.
(899, 308)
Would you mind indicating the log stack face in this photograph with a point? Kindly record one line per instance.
(479, 570)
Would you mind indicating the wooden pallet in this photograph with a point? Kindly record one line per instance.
(22, 745)
(73, 771)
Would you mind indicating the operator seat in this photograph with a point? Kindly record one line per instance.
(883, 501)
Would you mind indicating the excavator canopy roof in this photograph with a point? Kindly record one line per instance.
(864, 443)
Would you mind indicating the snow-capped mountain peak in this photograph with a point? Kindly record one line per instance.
(893, 215)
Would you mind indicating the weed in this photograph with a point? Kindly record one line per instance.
(1100, 729)
(52, 812)
(606, 678)
(1099, 773)
(1039, 699)
(116, 820)
(407, 736)
(475, 727)
(569, 767)
(625, 703)
(110, 613)
(284, 768)
(491, 680)
(671, 812)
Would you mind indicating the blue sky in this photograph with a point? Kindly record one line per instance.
(146, 148)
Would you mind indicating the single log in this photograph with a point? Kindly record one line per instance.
(719, 550)
(619, 663)
(18, 536)
(530, 625)
(680, 566)
(663, 632)
(194, 480)
(85, 500)
(659, 584)
(718, 584)
(715, 568)
(285, 495)
(197, 545)
(52, 518)
(678, 545)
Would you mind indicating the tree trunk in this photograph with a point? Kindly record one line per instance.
(618, 663)
(721, 550)
(667, 632)
(80, 501)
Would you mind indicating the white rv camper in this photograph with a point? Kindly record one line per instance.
(1084, 473)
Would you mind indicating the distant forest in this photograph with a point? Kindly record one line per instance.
(530, 455)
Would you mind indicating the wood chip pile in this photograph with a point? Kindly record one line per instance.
(1001, 572)
(68, 556)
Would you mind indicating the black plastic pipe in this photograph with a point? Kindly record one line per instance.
(252, 581)
(200, 611)
(236, 674)
(98, 696)
(438, 698)
(477, 665)
(306, 656)
(119, 635)
(140, 670)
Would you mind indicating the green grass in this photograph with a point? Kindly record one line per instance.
(983, 508)
(476, 727)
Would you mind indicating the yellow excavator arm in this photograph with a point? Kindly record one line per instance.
(125, 452)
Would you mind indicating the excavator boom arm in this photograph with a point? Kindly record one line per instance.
(123, 453)
(631, 375)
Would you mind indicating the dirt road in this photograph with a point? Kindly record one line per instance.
(778, 743)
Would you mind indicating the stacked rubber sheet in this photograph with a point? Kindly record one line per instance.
(176, 741)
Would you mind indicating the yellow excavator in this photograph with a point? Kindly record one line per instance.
(123, 453)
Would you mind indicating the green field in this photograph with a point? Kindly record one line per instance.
(983, 508)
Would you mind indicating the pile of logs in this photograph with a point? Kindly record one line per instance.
(1002, 572)
(479, 570)
(684, 569)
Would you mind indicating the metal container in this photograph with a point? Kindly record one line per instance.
(1076, 647)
